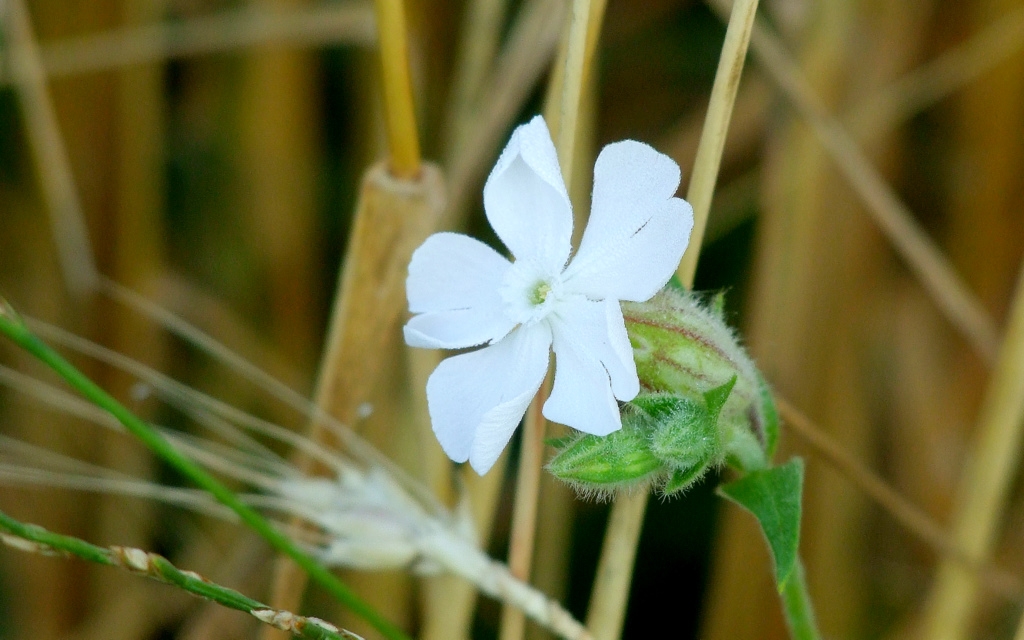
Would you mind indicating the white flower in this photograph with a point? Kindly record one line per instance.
(466, 294)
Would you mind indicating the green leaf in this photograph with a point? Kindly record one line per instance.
(773, 496)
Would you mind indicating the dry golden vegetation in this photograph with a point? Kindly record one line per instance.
(263, 171)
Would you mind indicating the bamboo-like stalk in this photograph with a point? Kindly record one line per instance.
(608, 599)
(403, 140)
(576, 66)
(927, 262)
(49, 153)
(586, 17)
(985, 484)
(392, 218)
(137, 254)
(400, 204)
(524, 510)
(276, 106)
(349, 22)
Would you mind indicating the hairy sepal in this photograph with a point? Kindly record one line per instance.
(599, 465)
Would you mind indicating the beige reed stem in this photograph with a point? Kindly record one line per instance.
(985, 485)
(343, 23)
(400, 204)
(49, 153)
(607, 610)
(924, 258)
(912, 517)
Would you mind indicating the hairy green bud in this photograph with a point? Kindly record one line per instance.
(596, 465)
(683, 348)
(702, 403)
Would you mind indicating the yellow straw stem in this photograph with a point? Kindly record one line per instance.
(572, 85)
(716, 127)
(399, 115)
(607, 610)
(986, 483)
(524, 512)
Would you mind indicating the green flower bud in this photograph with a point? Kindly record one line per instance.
(685, 349)
(702, 403)
(596, 465)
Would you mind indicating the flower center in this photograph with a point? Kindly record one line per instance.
(540, 293)
(528, 293)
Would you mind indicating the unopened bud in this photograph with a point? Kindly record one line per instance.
(702, 403)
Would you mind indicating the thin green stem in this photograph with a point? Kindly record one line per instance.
(14, 328)
(33, 538)
(796, 602)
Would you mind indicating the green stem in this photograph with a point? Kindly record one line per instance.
(30, 537)
(14, 328)
(796, 602)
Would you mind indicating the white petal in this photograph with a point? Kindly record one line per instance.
(454, 283)
(637, 231)
(525, 199)
(457, 329)
(593, 365)
(477, 399)
(452, 271)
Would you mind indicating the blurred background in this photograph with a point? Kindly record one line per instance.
(214, 150)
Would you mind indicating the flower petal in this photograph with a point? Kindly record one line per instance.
(637, 231)
(453, 271)
(477, 399)
(457, 329)
(593, 365)
(454, 283)
(526, 201)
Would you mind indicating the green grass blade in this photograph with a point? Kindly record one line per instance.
(14, 328)
(29, 537)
